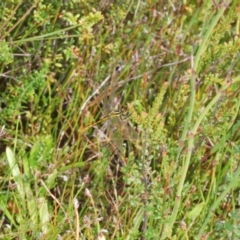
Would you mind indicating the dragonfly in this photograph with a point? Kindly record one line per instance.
(123, 114)
(118, 129)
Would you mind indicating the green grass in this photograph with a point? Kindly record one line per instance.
(89, 151)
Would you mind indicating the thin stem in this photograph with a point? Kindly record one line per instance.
(145, 182)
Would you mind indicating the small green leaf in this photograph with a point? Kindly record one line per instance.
(12, 163)
(17, 176)
(229, 226)
(195, 211)
(43, 213)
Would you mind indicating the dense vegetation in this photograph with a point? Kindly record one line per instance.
(119, 119)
